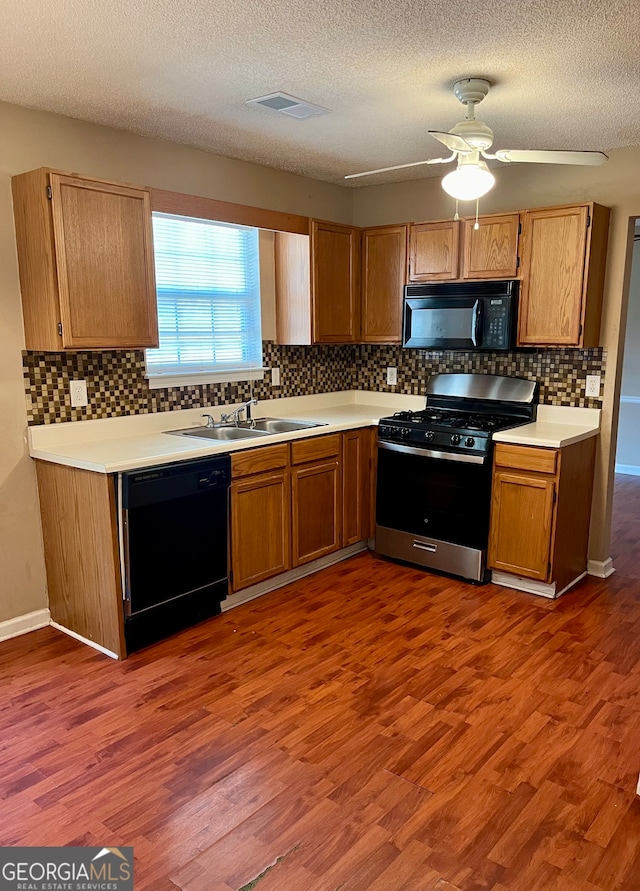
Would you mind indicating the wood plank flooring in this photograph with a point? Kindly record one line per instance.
(372, 728)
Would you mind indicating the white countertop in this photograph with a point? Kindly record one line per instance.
(129, 443)
(556, 426)
(132, 442)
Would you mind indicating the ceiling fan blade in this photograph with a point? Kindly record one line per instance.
(588, 159)
(401, 167)
(452, 142)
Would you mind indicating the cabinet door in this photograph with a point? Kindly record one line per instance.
(315, 498)
(335, 253)
(356, 486)
(260, 526)
(434, 251)
(384, 270)
(521, 524)
(104, 254)
(553, 274)
(492, 250)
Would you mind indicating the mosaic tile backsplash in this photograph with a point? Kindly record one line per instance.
(116, 384)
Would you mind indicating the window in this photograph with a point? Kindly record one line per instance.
(208, 287)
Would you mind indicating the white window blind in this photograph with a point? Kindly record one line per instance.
(208, 287)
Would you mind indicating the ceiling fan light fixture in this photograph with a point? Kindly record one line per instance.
(469, 181)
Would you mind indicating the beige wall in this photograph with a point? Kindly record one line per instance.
(33, 139)
(615, 185)
(628, 449)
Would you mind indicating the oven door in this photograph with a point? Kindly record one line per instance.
(453, 323)
(432, 508)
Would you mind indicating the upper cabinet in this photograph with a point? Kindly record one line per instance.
(451, 250)
(335, 282)
(564, 256)
(384, 272)
(318, 285)
(85, 253)
(434, 251)
(491, 250)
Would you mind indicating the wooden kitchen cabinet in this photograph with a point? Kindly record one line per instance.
(260, 510)
(434, 251)
(357, 493)
(563, 260)
(491, 251)
(335, 282)
(317, 283)
(316, 498)
(78, 514)
(541, 506)
(384, 272)
(85, 253)
(451, 250)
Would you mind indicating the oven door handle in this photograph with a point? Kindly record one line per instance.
(460, 457)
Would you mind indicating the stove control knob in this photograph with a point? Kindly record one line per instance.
(429, 436)
(406, 431)
(470, 442)
(455, 439)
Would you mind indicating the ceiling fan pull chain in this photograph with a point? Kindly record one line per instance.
(456, 215)
(477, 225)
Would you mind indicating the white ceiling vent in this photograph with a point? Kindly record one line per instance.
(295, 108)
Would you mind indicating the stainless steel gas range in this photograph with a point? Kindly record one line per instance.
(434, 471)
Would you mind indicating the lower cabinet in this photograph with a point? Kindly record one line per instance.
(358, 477)
(316, 497)
(293, 503)
(260, 515)
(540, 512)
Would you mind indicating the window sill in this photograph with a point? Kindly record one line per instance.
(171, 379)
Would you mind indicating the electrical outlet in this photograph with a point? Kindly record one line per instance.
(392, 376)
(593, 385)
(79, 394)
(275, 377)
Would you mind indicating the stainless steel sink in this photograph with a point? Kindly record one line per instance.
(220, 433)
(279, 425)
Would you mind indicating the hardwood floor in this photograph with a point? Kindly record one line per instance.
(371, 728)
(625, 526)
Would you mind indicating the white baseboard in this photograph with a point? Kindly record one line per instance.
(630, 469)
(601, 569)
(84, 640)
(39, 618)
(531, 586)
(279, 581)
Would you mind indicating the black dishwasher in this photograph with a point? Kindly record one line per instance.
(173, 546)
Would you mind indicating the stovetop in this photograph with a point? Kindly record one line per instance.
(430, 418)
(434, 428)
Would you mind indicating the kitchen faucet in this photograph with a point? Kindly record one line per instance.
(233, 416)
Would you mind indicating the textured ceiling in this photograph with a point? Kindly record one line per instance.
(565, 74)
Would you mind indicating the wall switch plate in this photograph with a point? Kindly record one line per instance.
(275, 377)
(392, 376)
(79, 394)
(593, 385)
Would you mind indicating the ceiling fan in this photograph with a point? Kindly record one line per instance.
(469, 143)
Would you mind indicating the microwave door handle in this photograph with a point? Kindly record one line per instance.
(477, 323)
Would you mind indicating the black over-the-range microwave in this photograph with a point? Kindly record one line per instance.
(460, 315)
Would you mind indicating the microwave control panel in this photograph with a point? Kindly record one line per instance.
(497, 323)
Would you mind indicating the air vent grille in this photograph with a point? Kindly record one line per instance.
(289, 105)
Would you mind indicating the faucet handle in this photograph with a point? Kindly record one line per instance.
(210, 421)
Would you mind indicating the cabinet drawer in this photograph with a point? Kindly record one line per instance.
(259, 460)
(314, 449)
(526, 458)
